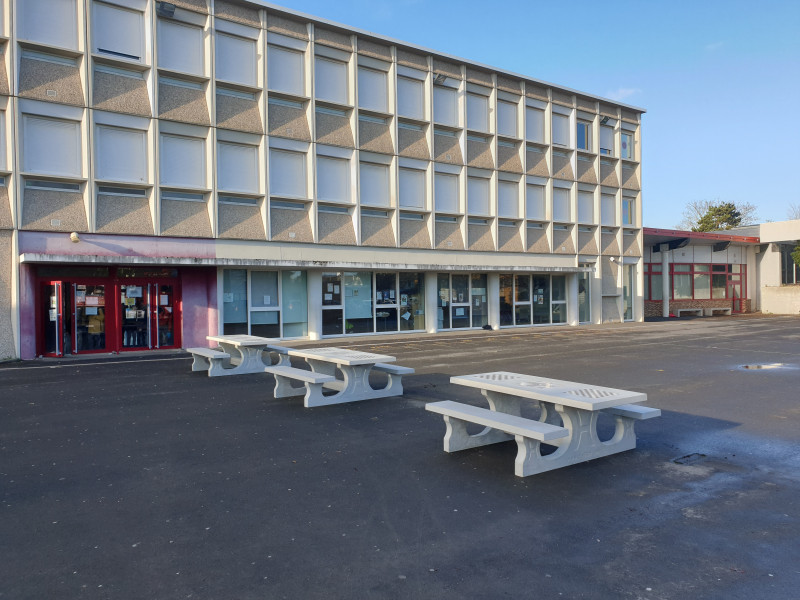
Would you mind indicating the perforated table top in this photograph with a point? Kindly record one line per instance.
(342, 356)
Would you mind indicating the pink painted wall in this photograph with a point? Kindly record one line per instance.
(114, 245)
(27, 311)
(200, 314)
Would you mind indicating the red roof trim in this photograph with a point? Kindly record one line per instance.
(725, 237)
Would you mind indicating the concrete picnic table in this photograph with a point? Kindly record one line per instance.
(247, 348)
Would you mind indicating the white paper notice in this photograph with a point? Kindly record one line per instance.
(328, 297)
(406, 316)
(459, 312)
(330, 287)
(266, 300)
(163, 299)
(227, 297)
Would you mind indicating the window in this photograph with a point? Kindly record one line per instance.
(508, 199)
(477, 196)
(628, 211)
(287, 173)
(372, 89)
(121, 154)
(608, 209)
(236, 59)
(585, 207)
(507, 119)
(412, 188)
(410, 98)
(560, 130)
(118, 32)
(606, 140)
(180, 47)
(653, 284)
(561, 210)
(333, 179)
(627, 146)
(477, 112)
(51, 146)
(445, 106)
(237, 168)
(534, 202)
(374, 184)
(52, 23)
(446, 192)
(285, 71)
(628, 289)
(182, 161)
(534, 124)
(584, 295)
(584, 135)
(330, 80)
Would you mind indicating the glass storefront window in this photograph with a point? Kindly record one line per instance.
(585, 297)
(265, 323)
(656, 287)
(358, 302)
(522, 314)
(332, 321)
(412, 301)
(506, 300)
(559, 298)
(522, 287)
(294, 305)
(385, 291)
(718, 284)
(702, 286)
(627, 292)
(331, 289)
(460, 317)
(443, 301)
(264, 289)
(234, 301)
(683, 286)
(90, 310)
(480, 307)
(541, 299)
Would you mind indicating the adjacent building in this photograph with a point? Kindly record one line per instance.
(175, 169)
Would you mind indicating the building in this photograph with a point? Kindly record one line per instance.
(176, 169)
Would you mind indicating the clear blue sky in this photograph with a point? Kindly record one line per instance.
(720, 80)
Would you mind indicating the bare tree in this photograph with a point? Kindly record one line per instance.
(697, 209)
(793, 212)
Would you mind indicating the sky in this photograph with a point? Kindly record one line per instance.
(720, 80)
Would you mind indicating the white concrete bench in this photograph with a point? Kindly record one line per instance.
(499, 427)
(208, 359)
(696, 311)
(312, 388)
(709, 312)
(395, 372)
(282, 352)
(633, 411)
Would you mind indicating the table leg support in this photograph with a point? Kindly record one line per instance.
(284, 388)
(200, 363)
(456, 437)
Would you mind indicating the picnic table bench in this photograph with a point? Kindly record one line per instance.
(568, 419)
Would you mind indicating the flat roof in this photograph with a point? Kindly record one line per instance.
(660, 236)
(395, 42)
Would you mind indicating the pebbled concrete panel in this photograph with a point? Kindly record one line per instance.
(290, 225)
(123, 214)
(41, 207)
(562, 98)
(630, 245)
(7, 263)
(414, 234)
(480, 238)
(448, 236)
(538, 241)
(479, 154)
(38, 77)
(608, 244)
(240, 222)
(562, 242)
(479, 77)
(413, 144)
(586, 243)
(375, 137)
(288, 122)
(446, 149)
(116, 93)
(446, 68)
(5, 209)
(508, 159)
(182, 104)
(199, 6)
(509, 239)
(537, 164)
(335, 229)
(185, 219)
(409, 59)
(509, 85)
(536, 91)
(334, 130)
(239, 13)
(289, 27)
(334, 39)
(608, 175)
(562, 168)
(375, 50)
(630, 181)
(239, 114)
(586, 172)
(377, 231)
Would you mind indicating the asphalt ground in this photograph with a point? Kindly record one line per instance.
(132, 477)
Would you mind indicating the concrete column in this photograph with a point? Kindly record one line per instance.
(572, 299)
(493, 299)
(665, 280)
(431, 297)
(314, 285)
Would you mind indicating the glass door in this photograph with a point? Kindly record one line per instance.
(541, 299)
(460, 315)
(53, 319)
(478, 300)
(135, 316)
(164, 315)
(90, 317)
(735, 289)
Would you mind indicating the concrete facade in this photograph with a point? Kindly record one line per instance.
(157, 152)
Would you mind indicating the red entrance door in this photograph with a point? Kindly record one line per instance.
(147, 316)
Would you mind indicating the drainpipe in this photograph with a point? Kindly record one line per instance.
(665, 280)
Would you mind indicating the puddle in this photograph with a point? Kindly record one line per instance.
(768, 366)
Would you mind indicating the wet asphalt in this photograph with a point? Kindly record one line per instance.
(132, 477)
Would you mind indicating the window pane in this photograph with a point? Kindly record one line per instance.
(121, 154)
(522, 314)
(477, 112)
(541, 299)
(507, 119)
(627, 211)
(263, 289)
(460, 316)
(506, 300)
(561, 210)
(522, 288)
(446, 191)
(51, 146)
(608, 209)
(702, 287)
(374, 181)
(332, 322)
(534, 124)
(235, 59)
(330, 80)
(118, 32)
(627, 145)
(656, 287)
(180, 47)
(237, 168)
(560, 130)
(234, 305)
(412, 301)
(410, 98)
(584, 297)
(507, 201)
(718, 286)
(294, 303)
(478, 300)
(584, 135)
(445, 106)
(287, 173)
(331, 289)
(443, 301)
(477, 196)
(606, 140)
(358, 302)
(285, 70)
(683, 286)
(183, 161)
(534, 202)
(372, 89)
(333, 179)
(585, 207)
(265, 323)
(412, 188)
